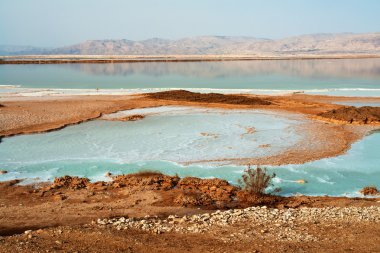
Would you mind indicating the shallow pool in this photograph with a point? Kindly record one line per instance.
(175, 134)
(169, 136)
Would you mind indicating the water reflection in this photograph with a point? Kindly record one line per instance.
(264, 74)
(346, 68)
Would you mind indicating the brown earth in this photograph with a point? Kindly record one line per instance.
(58, 214)
(336, 237)
(73, 200)
(24, 116)
(188, 96)
(352, 115)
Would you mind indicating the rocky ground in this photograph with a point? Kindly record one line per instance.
(254, 229)
(151, 211)
(281, 224)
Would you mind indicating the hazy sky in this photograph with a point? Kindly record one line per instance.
(59, 23)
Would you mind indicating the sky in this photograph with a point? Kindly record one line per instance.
(50, 23)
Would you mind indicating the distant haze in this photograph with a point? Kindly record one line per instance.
(47, 23)
(316, 44)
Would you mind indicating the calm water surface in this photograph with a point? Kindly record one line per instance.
(269, 74)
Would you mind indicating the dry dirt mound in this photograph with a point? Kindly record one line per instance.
(69, 182)
(184, 95)
(146, 181)
(350, 114)
(188, 191)
(205, 192)
(217, 189)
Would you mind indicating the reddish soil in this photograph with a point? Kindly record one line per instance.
(73, 200)
(60, 213)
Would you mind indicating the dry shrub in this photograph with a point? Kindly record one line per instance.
(369, 190)
(256, 181)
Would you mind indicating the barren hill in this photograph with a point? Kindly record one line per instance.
(314, 44)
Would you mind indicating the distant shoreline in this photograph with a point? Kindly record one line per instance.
(64, 59)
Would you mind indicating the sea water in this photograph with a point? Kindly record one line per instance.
(170, 140)
(348, 77)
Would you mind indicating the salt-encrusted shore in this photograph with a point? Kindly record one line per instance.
(23, 115)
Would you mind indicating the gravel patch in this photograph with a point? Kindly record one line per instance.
(258, 222)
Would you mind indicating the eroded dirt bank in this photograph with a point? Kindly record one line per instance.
(61, 217)
(72, 200)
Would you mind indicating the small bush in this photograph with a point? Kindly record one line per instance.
(369, 190)
(256, 181)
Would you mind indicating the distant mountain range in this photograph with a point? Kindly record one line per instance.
(314, 44)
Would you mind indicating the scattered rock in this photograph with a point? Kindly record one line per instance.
(279, 224)
(2, 172)
(301, 181)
